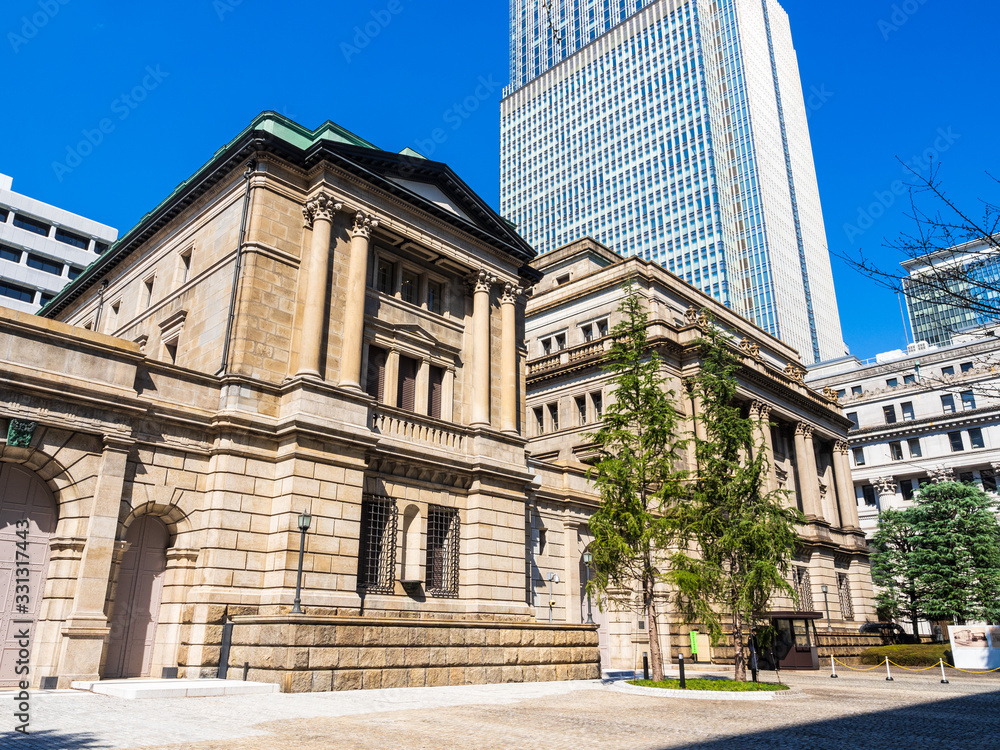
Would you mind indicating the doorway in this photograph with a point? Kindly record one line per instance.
(137, 601)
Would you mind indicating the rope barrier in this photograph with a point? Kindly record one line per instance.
(886, 661)
(913, 669)
(972, 671)
(854, 669)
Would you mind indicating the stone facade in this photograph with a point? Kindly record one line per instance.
(569, 319)
(311, 325)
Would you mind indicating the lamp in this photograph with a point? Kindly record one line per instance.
(588, 558)
(305, 520)
(826, 600)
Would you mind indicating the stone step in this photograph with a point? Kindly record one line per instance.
(132, 689)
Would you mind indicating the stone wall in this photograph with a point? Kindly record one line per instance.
(317, 653)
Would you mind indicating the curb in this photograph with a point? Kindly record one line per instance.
(707, 695)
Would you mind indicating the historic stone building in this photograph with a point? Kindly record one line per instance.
(570, 315)
(308, 325)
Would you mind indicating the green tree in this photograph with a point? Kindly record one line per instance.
(636, 474)
(742, 536)
(892, 564)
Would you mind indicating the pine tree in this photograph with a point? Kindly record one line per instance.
(742, 536)
(892, 564)
(636, 474)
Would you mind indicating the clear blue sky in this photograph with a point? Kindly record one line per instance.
(204, 68)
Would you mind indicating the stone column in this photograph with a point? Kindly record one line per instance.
(805, 470)
(886, 488)
(422, 387)
(390, 380)
(761, 414)
(87, 625)
(846, 497)
(354, 306)
(481, 282)
(448, 395)
(318, 214)
(508, 358)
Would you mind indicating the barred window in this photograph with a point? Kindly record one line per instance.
(846, 603)
(803, 588)
(442, 551)
(377, 551)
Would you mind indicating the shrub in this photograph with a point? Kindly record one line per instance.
(710, 684)
(910, 655)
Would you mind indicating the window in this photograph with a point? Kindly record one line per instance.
(896, 451)
(546, 346)
(976, 438)
(375, 384)
(69, 238)
(44, 264)
(853, 416)
(539, 420)
(101, 247)
(966, 367)
(967, 477)
(435, 391)
(844, 589)
(377, 549)
(31, 225)
(892, 382)
(841, 393)
(45, 298)
(948, 403)
(909, 379)
(949, 370)
(989, 479)
(856, 390)
(968, 400)
(147, 292)
(597, 399)
(564, 279)
(554, 416)
(13, 291)
(803, 588)
(116, 308)
(409, 287)
(890, 413)
(581, 409)
(74, 272)
(384, 276)
(859, 456)
(560, 341)
(602, 327)
(442, 551)
(170, 352)
(907, 409)
(185, 267)
(10, 253)
(913, 444)
(956, 441)
(906, 487)
(3, 215)
(435, 297)
(871, 499)
(406, 392)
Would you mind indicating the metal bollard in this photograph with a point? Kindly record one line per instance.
(645, 666)
(680, 662)
(833, 663)
(944, 680)
(888, 672)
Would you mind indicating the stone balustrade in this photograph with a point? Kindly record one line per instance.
(397, 424)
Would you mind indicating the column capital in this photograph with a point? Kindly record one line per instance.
(805, 430)
(760, 411)
(364, 223)
(481, 281)
(321, 208)
(941, 474)
(796, 372)
(511, 293)
(884, 485)
(842, 446)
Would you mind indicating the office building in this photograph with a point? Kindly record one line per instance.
(42, 248)
(678, 135)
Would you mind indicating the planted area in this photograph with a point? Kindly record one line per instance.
(911, 655)
(711, 684)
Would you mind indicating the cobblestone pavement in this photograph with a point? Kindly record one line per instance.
(855, 711)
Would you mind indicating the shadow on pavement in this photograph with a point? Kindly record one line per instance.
(49, 740)
(967, 722)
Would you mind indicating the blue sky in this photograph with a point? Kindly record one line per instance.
(172, 82)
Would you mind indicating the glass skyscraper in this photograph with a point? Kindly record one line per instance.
(675, 130)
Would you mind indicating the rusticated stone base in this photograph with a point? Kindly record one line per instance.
(305, 653)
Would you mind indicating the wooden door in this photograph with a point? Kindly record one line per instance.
(27, 521)
(137, 600)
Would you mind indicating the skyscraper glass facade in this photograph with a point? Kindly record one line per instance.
(680, 135)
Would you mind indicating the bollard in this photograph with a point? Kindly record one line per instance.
(833, 664)
(888, 672)
(944, 680)
(246, 670)
(680, 662)
(645, 666)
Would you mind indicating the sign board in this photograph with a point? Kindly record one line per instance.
(975, 646)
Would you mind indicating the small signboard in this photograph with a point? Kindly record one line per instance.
(975, 646)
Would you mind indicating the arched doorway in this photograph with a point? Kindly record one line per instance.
(599, 617)
(137, 599)
(27, 521)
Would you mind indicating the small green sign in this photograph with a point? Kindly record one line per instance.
(694, 641)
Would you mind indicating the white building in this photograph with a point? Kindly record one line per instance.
(926, 415)
(42, 248)
(679, 135)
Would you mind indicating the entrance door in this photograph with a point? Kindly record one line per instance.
(23, 497)
(137, 601)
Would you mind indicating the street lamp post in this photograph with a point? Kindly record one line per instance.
(588, 558)
(826, 601)
(304, 521)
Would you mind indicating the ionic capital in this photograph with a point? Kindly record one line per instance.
(511, 293)
(805, 430)
(321, 208)
(363, 225)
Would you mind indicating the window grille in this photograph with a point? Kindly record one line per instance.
(803, 588)
(442, 551)
(377, 551)
(846, 603)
